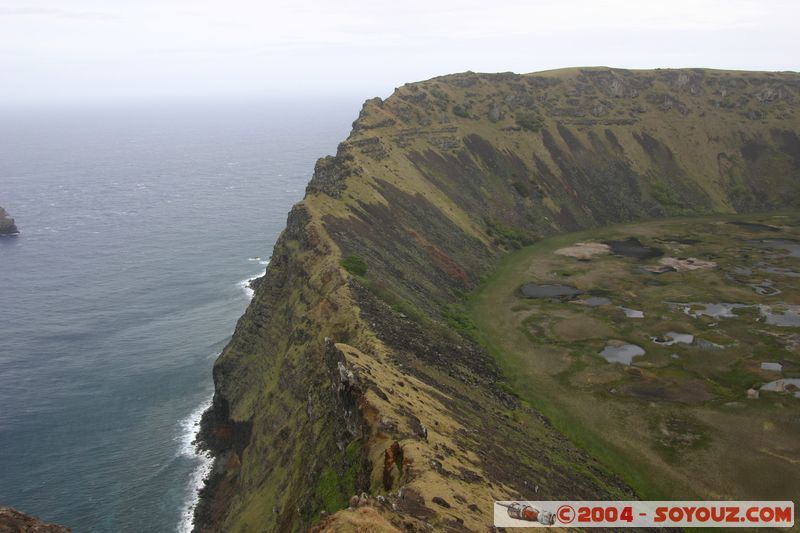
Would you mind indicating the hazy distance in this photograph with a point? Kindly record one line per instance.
(55, 51)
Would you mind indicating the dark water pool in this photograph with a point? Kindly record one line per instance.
(552, 292)
(633, 247)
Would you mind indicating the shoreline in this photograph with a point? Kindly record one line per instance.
(189, 447)
(190, 438)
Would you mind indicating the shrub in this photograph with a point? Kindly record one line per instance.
(460, 111)
(529, 121)
(439, 94)
(355, 265)
(329, 492)
(458, 319)
(512, 236)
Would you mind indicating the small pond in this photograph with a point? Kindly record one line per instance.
(551, 292)
(790, 318)
(754, 226)
(793, 247)
(633, 247)
(780, 271)
(632, 313)
(596, 301)
(721, 310)
(780, 385)
(617, 352)
(765, 288)
(672, 337)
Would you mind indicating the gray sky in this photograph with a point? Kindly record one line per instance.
(67, 50)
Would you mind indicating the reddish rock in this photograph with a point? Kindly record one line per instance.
(12, 521)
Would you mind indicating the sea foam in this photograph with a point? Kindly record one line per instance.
(245, 286)
(189, 427)
(245, 283)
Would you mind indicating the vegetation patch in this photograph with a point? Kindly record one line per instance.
(355, 265)
(458, 319)
(529, 121)
(335, 487)
(677, 433)
(329, 492)
(460, 111)
(733, 383)
(514, 237)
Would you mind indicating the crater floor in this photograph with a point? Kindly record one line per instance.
(689, 417)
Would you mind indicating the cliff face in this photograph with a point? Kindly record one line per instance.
(351, 370)
(7, 226)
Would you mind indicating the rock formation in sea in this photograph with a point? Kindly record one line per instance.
(7, 226)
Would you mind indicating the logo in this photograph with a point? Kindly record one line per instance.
(619, 514)
(565, 514)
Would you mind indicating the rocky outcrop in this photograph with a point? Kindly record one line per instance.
(13, 521)
(7, 226)
(340, 381)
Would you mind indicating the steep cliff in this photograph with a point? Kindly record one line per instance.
(352, 371)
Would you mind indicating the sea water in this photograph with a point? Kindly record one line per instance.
(140, 226)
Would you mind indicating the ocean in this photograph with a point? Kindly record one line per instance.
(140, 227)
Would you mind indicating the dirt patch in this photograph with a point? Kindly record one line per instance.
(581, 328)
(686, 264)
(653, 389)
(584, 250)
(678, 433)
(361, 519)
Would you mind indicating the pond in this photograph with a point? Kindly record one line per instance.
(754, 226)
(765, 288)
(596, 301)
(789, 318)
(633, 247)
(714, 310)
(632, 313)
(672, 337)
(793, 247)
(620, 352)
(551, 292)
(781, 385)
(780, 271)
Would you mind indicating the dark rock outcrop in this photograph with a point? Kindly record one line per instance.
(7, 225)
(13, 521)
